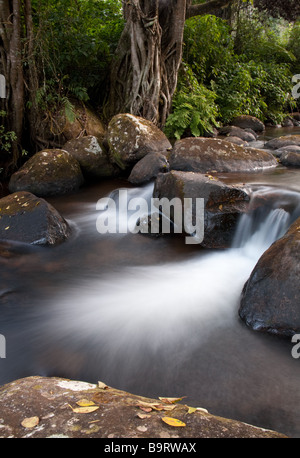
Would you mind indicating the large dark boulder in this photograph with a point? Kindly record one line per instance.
(91, 155)
(198, 154)
(223, 204)
(148, 168)
(130, 138)
(49, 172)
(270, 299)
(29, 219)
(249, 122)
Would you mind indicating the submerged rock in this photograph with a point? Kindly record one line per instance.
(223, 204)
(29, 219)
(91, 155)
(41, 407)
(49, 172)
(271, 297)
(130, 138)
(148, 168)
(198, 154)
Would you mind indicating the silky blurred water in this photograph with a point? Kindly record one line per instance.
(152, 315)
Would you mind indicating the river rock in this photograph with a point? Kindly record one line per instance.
(290, 159)
(29, 219)
(283, 141)
(130, 138)
(91, 155)
(250, 122)
(47, 173)
(236, 141)
(286, 149)
(47, 407)
(148, 168)
(198, 154)
(271, 296)
(60, 128)
(234, 131)
(223, 204)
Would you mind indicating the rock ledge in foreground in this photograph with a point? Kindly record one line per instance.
(49, 403)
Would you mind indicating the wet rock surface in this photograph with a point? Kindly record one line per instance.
(223, 204)
(41, 407)
(29, 219)
(148, 168)
(271, 297)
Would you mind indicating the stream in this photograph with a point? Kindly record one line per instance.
(152, 315)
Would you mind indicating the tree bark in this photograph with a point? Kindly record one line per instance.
(145, 69)
(12, 68)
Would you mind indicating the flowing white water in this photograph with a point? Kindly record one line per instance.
(153, 307)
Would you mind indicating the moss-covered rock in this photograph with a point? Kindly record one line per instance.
(49, 172)
(91, 155)
(130, 138)
(41, 407)
(29, 219)
(198, 154)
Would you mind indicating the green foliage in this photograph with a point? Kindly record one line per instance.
(248, 68)
(76, 41)
(6, 137)
(194, 109)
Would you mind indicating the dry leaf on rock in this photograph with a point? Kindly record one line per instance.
(173, 421)
(30, 422)
(87, 409)
(170, 400)
(85, 403)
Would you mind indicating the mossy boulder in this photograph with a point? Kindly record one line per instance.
(249, 122)
(271, 297)
(91, 155)
(49, 172)
(199, 154)
(223, 204)
(130, 138)
(29, 219)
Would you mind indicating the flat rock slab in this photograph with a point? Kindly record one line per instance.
(41, 407)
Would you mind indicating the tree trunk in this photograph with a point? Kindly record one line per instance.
(144, 72)
(145, 69)
(12, 68)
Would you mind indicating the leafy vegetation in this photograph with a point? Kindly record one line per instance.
(244, 68)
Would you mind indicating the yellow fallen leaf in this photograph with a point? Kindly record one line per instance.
(87, 409)
(192, 409)
(173, 421)
(85, 403)
(6, 228)
(170, 400)
(30, 422)
(220, 207)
